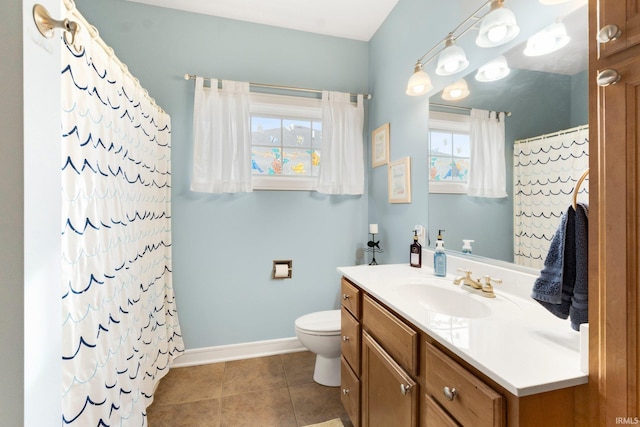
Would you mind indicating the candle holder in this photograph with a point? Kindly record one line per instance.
(373, 247)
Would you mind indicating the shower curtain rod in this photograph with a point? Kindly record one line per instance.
(457, 107)
(549, 135)
(299, 89)
(46, 25)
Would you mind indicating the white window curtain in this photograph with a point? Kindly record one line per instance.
(222, 138)
(342, 167)
(487, 171)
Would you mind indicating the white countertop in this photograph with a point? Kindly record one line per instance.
(516, 342)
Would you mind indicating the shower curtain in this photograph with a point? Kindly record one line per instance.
(119, 320)
(545, 172)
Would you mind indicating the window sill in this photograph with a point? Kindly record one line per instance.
(284, 183)
(448, 187)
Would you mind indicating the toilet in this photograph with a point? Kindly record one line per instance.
(320, 333)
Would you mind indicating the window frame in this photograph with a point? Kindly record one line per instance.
(291, 107)
(447, 122)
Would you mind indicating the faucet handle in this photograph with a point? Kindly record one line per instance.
(488, 280)
(487, 287)
(467, 273)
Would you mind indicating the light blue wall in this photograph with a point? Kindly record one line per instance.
(223, 245)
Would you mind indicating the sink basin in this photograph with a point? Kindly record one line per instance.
(445, 301)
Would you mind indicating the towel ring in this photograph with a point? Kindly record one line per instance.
(576, 190)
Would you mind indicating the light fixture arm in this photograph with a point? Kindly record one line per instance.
(452, 34)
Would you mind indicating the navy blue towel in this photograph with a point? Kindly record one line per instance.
(562, 287)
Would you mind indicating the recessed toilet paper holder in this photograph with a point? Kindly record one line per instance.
(282, 269)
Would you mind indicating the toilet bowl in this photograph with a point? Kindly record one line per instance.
(320, 333)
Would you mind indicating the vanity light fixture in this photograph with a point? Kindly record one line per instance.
(547, 40)
(493, 70)
(419, 82)
(452, 59)
(456, 90)
(497, 26)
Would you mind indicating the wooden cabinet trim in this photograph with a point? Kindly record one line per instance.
(395, 336)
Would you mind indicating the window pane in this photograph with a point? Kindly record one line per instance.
(460, 169)
(266, 161)
(296, 133)
(265, 131)
(440, 169)
(297, 162)
(461, 145)
(440, 143)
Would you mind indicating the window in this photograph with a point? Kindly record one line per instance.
(449, 153)
(286, 134)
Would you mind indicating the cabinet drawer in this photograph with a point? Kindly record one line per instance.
(435, 416)
(350, 296)
(473, 403)
(350, 340)
(350, 392)
(395, 336)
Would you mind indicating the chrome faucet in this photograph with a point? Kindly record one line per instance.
(486, 288)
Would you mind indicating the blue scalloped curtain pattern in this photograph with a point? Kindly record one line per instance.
(545, 173)
(119, 319)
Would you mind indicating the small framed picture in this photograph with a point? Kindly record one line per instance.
(399, 181)
(380, 146)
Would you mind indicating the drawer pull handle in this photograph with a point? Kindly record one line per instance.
(608, 77)
(346, 338)
(609, 33)
(346, 296)
(450, 393)
(345, 391)
(405, 388)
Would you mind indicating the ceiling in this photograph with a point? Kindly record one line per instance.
(352, 19)
(360, 19)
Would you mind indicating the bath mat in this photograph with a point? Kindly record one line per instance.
(331, 423)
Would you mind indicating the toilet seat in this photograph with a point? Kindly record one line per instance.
(319, 323)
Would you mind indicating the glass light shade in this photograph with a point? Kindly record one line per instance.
(498, 27)
(548, 40)
(456, 90)
(493, 70)
(451, 60)
(419, 83)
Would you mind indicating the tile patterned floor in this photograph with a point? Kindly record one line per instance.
(271, 391)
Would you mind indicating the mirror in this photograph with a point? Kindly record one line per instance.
(544, 94)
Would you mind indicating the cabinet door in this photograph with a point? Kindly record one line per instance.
(614, 239)
(626, 15)
(389, 395)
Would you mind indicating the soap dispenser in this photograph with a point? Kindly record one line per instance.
(439, 257)
(466, 246)
(415, 256)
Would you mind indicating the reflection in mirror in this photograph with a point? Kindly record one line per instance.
(545, 95)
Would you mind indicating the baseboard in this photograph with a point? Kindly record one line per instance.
(224, 353)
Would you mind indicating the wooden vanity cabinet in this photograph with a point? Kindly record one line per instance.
(397, 374)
